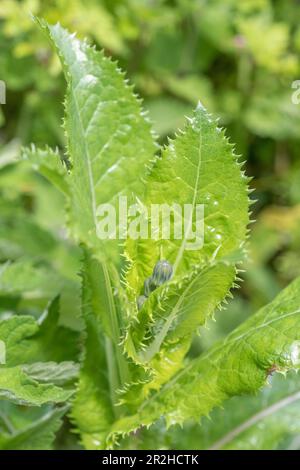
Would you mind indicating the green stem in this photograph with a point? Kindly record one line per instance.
(112, 372)
(115, 328)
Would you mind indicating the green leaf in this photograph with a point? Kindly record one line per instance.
(24, 278)
(20, 235)
(49, 164)
(32, 283)
(20, 388)
(51, 372)
(263, 422)
(28, 341)
(24, 344)
(109, 138)
(268, 341)
(53, 342)
(30, 428)
(267, 421)
(13, 333)
(198, 168)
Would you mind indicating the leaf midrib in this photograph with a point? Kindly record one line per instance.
(87, 159)
(182, 246)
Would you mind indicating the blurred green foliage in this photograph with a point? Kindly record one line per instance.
(238, 57)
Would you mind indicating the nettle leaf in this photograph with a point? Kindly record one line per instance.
(20, 388)
(13, 334)
(50, 372)
(24, 344)
(29, 428)
(267, 342)
(109, 138)
(199, 167)
(24, 278)
(28, 341)
(30, 283)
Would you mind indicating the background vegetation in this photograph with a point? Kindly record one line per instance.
(239, 57)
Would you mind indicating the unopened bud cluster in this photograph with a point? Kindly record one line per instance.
(162, 272)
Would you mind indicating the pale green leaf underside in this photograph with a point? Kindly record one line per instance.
(238, 365)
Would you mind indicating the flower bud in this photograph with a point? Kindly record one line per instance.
(162, 272)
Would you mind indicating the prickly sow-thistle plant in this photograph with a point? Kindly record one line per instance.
(144, 299)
